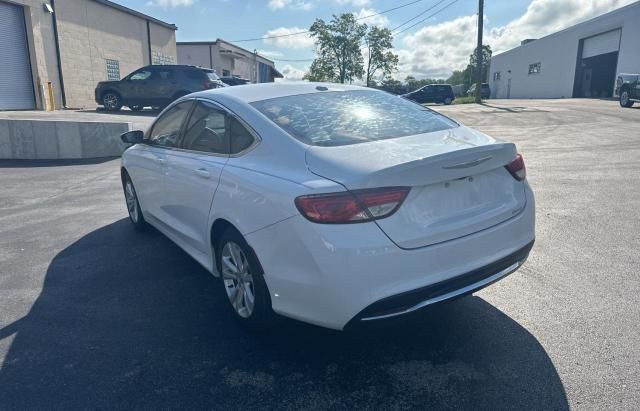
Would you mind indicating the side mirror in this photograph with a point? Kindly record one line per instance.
(132, 137)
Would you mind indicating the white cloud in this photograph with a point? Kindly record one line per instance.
(169, 4)
(270, 54)
(357, 3)
(436, 50)
(378, 20)
(299, 41)
(295, 4)
(292, 73)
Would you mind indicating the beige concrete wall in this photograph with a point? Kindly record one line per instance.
(163, 44)
(42, 52)
(194, 55)
(240, 63)
(90, 33)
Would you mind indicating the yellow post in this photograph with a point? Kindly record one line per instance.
(52, 104)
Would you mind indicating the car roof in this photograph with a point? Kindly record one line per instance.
(264, 91)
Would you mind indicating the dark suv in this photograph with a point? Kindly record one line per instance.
(485, 91)
(628, 89)
(432, 93)
(234, 81)
(155, 86)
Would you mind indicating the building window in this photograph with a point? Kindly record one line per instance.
(535, 68)
(113, 70)
(496, 76)
(159, 58)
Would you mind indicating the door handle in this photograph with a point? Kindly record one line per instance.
(202, 172)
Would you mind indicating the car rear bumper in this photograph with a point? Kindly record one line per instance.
(331, 275)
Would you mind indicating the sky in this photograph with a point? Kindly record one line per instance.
(432, 48)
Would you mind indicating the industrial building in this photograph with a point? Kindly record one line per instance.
(228, 60)
(580, 61)
(73, 44)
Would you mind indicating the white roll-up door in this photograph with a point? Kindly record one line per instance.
(16, 85)
(601, 44)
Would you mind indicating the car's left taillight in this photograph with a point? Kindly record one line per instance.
(349, 207)
(517, 168)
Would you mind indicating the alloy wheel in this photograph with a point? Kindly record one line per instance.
(238, 280)
(624, 99)
(132, 202)
(110, 101)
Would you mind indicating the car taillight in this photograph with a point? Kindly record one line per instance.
(517, 168)
(356, 206)
(208, 84)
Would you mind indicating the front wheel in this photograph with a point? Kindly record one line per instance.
(447, 101)
(243, 282)
(133, 205)
(625, 99)
(111, 101)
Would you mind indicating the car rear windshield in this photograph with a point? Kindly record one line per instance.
(339, 118)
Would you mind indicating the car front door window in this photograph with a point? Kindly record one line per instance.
(166, 130)
(206, 130)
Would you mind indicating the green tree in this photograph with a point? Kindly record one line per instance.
(456, 78)
(380, 58)
(486, 60)
(338, 46)
(320, 70)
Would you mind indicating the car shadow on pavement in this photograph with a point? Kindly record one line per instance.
(127, 320)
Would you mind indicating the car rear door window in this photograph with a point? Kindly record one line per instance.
(206, 130)
(241, 138)
(166, 130)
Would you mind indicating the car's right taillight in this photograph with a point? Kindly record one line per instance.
(348, 207)
(517, 168)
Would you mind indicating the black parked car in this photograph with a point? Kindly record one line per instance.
(155, 86)
(432, 93)
(485, 91)
(234, 81)
(628, 89)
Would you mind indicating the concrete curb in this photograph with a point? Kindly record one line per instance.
(60, 139)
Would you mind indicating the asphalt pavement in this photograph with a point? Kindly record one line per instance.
(94, 315)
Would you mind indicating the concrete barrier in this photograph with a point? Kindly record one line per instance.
(60, 139)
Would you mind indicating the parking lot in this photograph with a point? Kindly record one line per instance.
(96, 315)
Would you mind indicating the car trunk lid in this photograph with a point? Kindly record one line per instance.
(458, 182)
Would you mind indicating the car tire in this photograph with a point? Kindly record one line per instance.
(133, 205)
(243, 282)
(448, 101)
(111, 101)
(136, 108)
(625, 99)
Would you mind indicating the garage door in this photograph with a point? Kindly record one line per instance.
(601, 44)
(16, 85)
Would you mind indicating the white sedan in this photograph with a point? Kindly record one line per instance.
(327, 203)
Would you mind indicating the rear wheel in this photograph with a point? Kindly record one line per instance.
(133, 205)
(111, 101)
(447, 101)
(243, 282)
(625, 99)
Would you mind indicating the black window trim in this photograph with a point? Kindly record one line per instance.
(147, 138)
(257, 139)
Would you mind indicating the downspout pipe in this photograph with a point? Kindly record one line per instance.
(59, 60)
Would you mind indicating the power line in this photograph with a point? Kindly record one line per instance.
(307, 31)
(418, 15)
(428, 17)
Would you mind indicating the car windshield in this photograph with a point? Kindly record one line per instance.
(350, 117)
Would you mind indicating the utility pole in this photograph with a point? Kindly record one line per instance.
(479, 51)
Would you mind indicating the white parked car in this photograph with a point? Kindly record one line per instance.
(327, 203)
